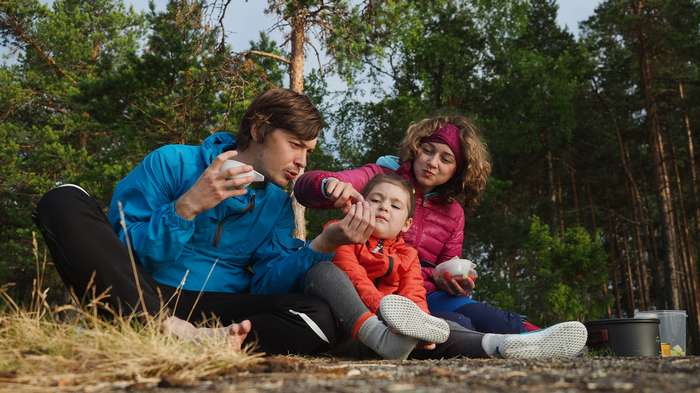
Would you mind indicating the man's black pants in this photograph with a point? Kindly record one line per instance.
(90, 258)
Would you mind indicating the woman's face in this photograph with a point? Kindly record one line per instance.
(434, 165)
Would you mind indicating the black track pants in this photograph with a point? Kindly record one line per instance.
(90, 258)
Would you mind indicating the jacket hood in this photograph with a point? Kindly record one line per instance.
(216, 144)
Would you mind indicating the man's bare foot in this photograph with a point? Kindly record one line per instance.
(238, 333)
(174, 326)
(235, 333)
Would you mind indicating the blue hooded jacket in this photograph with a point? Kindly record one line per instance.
(230, 248)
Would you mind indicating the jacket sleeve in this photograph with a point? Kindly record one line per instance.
(281, 262)
(411, 281)
(347, 261)
(453, 246)
(308, 188)
(147, 196)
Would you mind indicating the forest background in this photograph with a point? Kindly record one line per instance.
(593, 206)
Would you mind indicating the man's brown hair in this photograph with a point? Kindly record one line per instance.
(396, 180)
(280, 108)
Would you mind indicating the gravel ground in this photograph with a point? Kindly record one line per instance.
(585, 374)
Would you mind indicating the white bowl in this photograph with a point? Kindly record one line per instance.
(456, 267)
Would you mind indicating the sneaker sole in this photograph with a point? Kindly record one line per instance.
(562, 340)
(404, 316)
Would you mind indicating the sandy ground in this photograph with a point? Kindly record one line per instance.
(585, 374)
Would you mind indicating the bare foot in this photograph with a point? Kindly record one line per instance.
(235, 333)
(174, 326)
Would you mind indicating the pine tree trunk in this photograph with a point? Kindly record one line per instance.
(641, 260)
(659, 159)
(613, 267)
(554, 209)
(638, 256)
(682, 223)
(691, 160)
(693, 268)
(629, 279)
(659, 269)
(591, 207)
(560, 206)
(574, 189)
(637, 208)
(692, 303)
(296, 82)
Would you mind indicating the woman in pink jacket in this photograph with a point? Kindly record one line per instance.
(447, 163)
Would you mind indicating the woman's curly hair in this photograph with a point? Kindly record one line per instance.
(467, 185)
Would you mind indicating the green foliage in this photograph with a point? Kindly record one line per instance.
(564, 277)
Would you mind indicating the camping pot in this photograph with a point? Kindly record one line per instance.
(625, 337)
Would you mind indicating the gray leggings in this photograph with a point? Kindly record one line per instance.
(331, 284)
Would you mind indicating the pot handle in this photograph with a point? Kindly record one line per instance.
(597, 337)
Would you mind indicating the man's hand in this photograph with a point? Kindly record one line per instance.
(455, 285)
(342, 194)
(355, 227)
(213, 186)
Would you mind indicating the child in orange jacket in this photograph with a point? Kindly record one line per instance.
(385, 266)
(376, 292)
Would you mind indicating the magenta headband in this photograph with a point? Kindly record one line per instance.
(448, 135)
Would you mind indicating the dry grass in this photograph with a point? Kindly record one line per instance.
(73, 348)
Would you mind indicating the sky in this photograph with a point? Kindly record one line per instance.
(245, 19)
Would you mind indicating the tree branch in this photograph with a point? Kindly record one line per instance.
(221, 23)
(14, 26)
(268, 55)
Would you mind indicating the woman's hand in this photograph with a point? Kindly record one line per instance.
(341, 193)
(455, 285)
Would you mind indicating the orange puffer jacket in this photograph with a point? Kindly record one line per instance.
(382, 267)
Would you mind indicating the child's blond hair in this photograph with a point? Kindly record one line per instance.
(396, 180)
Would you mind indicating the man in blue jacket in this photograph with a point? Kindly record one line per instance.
(223, 242)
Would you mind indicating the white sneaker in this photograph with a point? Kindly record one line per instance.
(404, 316)
(565, 339)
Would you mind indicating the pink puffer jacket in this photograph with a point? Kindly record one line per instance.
(437, 231)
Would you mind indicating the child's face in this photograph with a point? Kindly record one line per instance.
(390, 207)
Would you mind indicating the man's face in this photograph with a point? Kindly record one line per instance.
(282, 156)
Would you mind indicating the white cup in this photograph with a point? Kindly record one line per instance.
(257, 176)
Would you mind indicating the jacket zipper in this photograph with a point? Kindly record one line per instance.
(419, 225)
(220, 224)
(378, 280)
